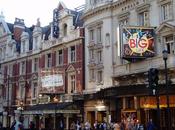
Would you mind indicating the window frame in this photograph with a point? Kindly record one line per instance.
(73, 83)
(35, 64)
(22, 91)
(100, 76)
(72, 54)
(60, 58)
(48, 60)
(99, 34)
(34, 89)
(22, 67)
(169, 44)
(165, 10)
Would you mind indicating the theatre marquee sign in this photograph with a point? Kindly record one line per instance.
(137, 42)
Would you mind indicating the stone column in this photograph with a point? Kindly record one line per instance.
(4, 119)
(67, 122)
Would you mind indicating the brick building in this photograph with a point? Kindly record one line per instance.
(30, 53)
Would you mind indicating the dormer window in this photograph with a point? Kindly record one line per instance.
(23, 44)
(35, 46)
(65, 29)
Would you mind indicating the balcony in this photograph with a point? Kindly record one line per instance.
(99, 46)
(91, 44)
(143, 66)
(91, 63)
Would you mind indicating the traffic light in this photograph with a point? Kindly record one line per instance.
(153, 77)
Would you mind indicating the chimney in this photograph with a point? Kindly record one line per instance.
(19, 27)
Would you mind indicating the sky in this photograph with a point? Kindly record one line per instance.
(30, 10)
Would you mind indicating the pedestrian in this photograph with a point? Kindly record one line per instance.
(1, 128)
(96, 125)
(72, 126)
(117, 125)
(32, 125)
(150, 125)
(61, 125)
(78, 126)
(87, 125)
(138, 126)
(12, 127)
(19, 124)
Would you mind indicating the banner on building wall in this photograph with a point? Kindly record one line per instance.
(137, 42)
(52, 81)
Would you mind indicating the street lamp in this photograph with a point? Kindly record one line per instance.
(165, 57)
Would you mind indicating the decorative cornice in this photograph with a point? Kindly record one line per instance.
(111, 6)
(143, 7)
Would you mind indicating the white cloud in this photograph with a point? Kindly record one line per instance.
(30, 10)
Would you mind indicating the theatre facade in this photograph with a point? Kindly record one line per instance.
(123, 41)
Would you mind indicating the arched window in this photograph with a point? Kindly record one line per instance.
(65, 29)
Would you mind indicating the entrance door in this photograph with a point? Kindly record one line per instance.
(91, 117)
(101, 116)
(49, 122)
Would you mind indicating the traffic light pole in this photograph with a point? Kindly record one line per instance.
(153, 79)
(158, 109)
(167, 97)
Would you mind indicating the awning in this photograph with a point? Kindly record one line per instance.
(64, 107)
(50, 106)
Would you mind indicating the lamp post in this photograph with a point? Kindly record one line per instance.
(165, 57)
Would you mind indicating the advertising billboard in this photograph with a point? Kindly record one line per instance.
(137, 42)
(51, 81)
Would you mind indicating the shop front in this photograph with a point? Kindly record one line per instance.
(96, 110)
(48, 116)
(148, 105)
(134, 102)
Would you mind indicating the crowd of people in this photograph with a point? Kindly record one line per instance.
(118, 125)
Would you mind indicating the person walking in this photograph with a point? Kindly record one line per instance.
(32, 125)
(19, 124)
(117, 126)
(150, 125)
(138, 126)
(12, 127)
(87, 125)
(61, 125)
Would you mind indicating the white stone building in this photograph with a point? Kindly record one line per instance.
(117, 83)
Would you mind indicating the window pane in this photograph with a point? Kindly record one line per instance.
(73, 83)
(60, 57)
(72, 54)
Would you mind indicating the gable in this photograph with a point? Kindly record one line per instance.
(165, 28)
(70, 68)
(4, 29)
(61, 6)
